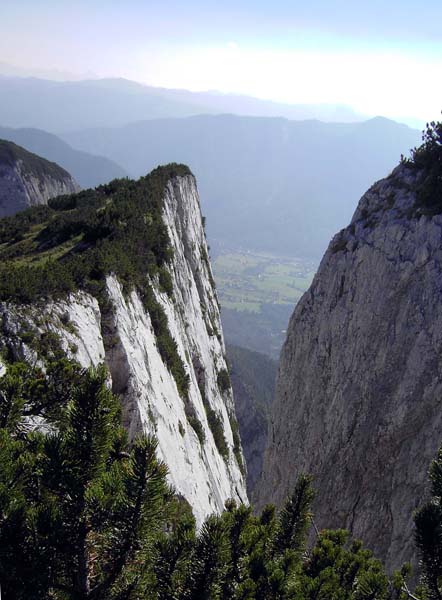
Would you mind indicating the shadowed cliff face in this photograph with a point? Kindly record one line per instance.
(253, 381)
(27, 180)
(360, 380)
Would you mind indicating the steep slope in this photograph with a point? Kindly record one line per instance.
(27, 179)
(268, 184)
(359, 384)
(120, 275)
(87, 169)
(253, 378)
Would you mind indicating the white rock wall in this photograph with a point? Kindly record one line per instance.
(124, 339)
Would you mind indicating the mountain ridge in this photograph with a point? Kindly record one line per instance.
(107, 97)
(266, 184)
(87, 169)
(120, 275)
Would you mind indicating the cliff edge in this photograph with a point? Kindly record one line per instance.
(360, 378)
(121, 275)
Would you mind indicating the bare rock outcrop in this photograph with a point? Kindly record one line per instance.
(358, 401)
(27, 179)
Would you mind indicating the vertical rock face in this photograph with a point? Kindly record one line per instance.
(360, 378)
(123, 337)
(253, 380)
(27, 180)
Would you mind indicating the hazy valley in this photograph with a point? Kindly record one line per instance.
(210, 302)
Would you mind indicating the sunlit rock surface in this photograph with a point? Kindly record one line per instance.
(123, 338)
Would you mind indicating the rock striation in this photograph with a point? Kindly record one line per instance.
(358, 400)
(27, 179)
(117, 329)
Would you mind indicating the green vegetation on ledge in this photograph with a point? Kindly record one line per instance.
(428, 159)
(217, 429)
(223, 380)
(77, 240)
(166, 344)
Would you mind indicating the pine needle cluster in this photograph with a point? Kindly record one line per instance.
(86, 514)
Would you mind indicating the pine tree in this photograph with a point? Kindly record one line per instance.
(428, 522)
(84, 505)
(87, 515)
(428, 159)
(294, 519)
(208, 562)
(239, 531)
(23, 567)
(172, 552)
(339, 568)
(279, 557)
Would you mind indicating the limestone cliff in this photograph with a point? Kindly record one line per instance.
(360, 378)
(27, 179)
(196, 428)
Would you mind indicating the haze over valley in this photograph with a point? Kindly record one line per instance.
(220, 300)
(269, 185)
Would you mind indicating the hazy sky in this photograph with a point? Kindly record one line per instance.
(381, 57)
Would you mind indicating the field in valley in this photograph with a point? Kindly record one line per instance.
(258, 293)
(247, 280)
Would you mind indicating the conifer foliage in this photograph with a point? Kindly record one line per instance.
(86, 514)
(428, 522)
(427, 159)
(79, 507)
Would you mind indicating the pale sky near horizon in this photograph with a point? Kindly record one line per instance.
(378, 57)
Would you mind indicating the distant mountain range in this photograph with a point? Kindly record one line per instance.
(88, 170)
(68, 105)
(237, 104)
(266, 183)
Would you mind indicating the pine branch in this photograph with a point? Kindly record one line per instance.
(406, 590)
